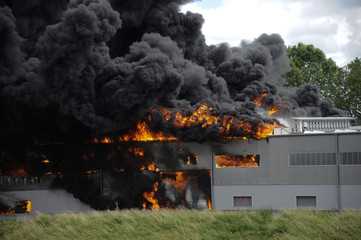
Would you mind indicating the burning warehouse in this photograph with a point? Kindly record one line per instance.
(122, 104)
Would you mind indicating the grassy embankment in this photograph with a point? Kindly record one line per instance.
(187, 224)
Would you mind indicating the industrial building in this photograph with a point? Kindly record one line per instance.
(314, 164)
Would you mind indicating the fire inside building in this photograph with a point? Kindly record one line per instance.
(315, 163)
(110, 104)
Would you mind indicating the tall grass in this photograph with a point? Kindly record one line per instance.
(188, 224)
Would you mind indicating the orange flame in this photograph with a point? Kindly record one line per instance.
(8, 212)
(223, 161)
(28, 206)
(144, 134)
(203, 117)
(45, 159)
(90, 172)
(103, 140)
(190, 157)
(119, 169)
(274, 108)
(138, 151)
(177, 178)
(151, 198)
(16, 172)
(228, 126)
(150, 167)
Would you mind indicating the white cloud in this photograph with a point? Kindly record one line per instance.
(331, 25)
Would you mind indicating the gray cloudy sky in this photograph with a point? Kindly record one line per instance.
(334, 26)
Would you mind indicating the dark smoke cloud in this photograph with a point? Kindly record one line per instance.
(93, 66)
(32, 17)
(10, 53)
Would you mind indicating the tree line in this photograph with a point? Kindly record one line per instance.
(341, 84)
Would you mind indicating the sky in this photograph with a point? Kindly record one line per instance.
(334, 26)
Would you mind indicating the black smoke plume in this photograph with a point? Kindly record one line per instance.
(91, 67)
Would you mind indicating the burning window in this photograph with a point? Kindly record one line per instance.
(181, 188)
(224, 161)
(17, 207)
(242, 201)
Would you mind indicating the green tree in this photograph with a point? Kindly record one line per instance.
(347, 94)
(310, 65)
(341, 84)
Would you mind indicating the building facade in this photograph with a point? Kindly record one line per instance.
(316, 171)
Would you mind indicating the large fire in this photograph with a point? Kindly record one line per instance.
(143, 134)
(228, 125)
(127, 153)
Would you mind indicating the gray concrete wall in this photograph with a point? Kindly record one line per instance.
(276, 197)
(274, 161)
(275, 184)
(350, 196)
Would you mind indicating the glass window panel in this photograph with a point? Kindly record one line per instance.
(298, 157)
(355, 158)
(349, 158)
(307, 157)
(333, 158)
(313, 158)
(318, 158)
(324, 158)
(302, 159)
(343, 159)
(328, 158)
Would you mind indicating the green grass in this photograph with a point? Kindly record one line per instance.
(188, 224)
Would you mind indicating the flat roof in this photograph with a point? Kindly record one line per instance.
(323, 118)
(300, 134)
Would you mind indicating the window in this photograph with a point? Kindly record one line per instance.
(306, 159)
(242, 201)
(350, 158)
(306, 201)
(226, 161)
